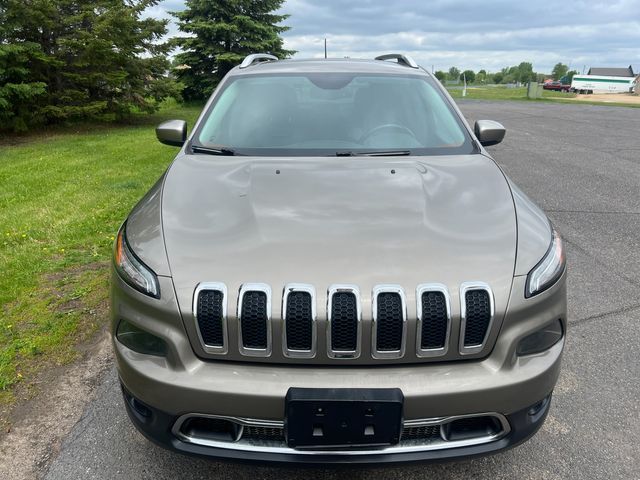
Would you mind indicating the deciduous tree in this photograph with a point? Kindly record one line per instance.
(559, 71)
(469, 75)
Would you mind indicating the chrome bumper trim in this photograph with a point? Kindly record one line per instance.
(265, 447)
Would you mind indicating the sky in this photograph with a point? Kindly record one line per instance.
(438, 34)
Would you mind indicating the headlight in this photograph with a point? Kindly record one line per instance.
(549, 270)
(132, 270)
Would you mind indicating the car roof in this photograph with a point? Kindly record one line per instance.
(331, 65)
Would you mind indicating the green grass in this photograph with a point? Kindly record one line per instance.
(500, 92)
(64, 194)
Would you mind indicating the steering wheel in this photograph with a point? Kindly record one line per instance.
(386, 126)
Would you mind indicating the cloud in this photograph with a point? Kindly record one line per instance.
(469, 34)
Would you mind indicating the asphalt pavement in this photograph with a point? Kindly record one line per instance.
(581, 163)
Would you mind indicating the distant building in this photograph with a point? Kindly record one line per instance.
(612, 72)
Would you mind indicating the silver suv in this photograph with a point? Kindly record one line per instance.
(334, 270)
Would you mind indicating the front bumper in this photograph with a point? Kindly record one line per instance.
(157, 426)
(258, 391)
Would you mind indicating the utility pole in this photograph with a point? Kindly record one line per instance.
(325, 48)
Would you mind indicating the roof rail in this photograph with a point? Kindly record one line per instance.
(257, 58)
(405, 60)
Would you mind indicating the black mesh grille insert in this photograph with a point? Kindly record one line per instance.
(434, 320)
(253, 319)
(344, 322)
(424, 432)
(209, 315)
(478, 315)
(263, 434)
(389, 322)
(299, 321)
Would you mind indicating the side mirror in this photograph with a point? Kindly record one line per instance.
(172, 132)
(489, 132)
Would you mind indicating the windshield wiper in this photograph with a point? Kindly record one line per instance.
(381, 153)
(213, 150)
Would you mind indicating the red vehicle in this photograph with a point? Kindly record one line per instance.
(557, 86)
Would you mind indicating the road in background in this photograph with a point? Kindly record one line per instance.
(582, 165)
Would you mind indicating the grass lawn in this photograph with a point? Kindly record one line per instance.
(501, 92)
(63, 197)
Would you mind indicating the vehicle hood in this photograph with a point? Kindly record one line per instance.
(357, 220)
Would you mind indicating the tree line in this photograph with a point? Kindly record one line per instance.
(522, 73)
(76, 60)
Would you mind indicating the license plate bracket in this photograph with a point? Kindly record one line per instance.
(318, 418)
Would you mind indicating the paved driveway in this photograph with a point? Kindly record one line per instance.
(582, 165)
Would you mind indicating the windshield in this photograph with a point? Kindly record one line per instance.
(332, 114)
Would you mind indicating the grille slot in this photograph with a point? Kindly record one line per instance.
(299, 321)
(344, 322)
(389, 322)
(478, 313)
(254, 309)
(210, 314)
(434, 320)
(210, 317)
(389, 317)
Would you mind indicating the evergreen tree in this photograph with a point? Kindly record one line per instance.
(18, 92)
(95, 59)
(223, 33)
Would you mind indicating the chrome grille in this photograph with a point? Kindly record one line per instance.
(299, 330)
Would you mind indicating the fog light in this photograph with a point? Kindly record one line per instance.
(140, 340)
(535, 409)
(541, 340)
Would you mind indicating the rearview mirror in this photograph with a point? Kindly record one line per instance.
(489, 132)
(172, 132)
